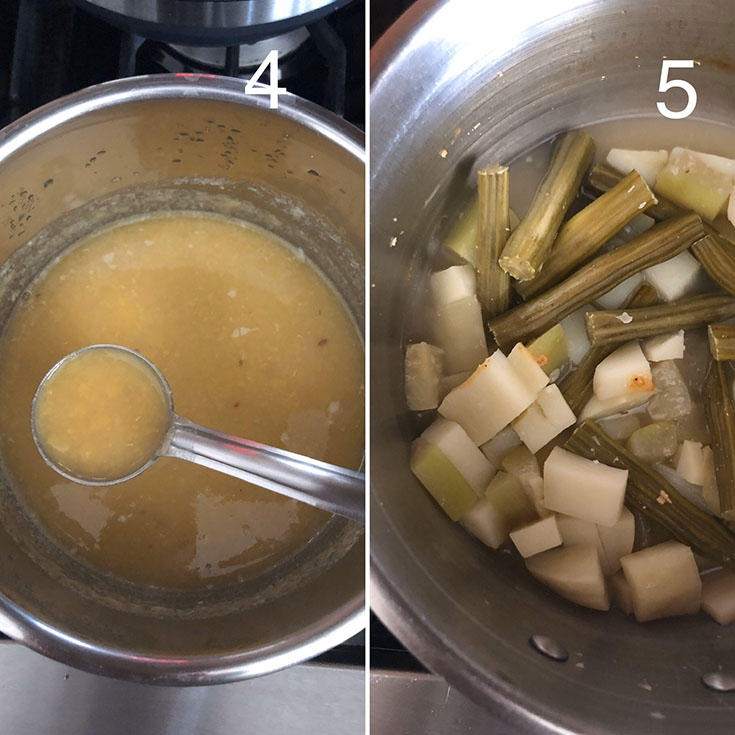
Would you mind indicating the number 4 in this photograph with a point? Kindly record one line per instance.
(666, 84)
(253, 86)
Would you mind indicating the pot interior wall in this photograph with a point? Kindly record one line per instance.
(466, 610)
(83, 167)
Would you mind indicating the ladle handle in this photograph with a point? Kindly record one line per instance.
(317, 483)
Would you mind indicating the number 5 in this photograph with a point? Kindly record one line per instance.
(666, 84)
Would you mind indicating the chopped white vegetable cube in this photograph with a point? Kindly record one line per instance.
(460, 332)
(576, 532)
(536, 537)
(664, 581)
(423, 369)
(555, 407)
(574, 573)
(544, 419)
(623, 372)
(449, 382)
(461, 451)
(492, 397)
(500, 445)
(724, 166)
(583, 488)
(486, 524)
(692, 465)
(620, 592)
(575, 331)
(534, 487)
(620, 428)
(676, 277)
(718, 595)
(527, 369)
(617, 296)
(452, 284)
(664, 347)
(597, 409)
(647, 163)
(617, 541)
(519, 461)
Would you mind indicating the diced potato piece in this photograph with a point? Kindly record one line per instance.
(672, 399)
(452, 284)
(462, 238)
(664, 347)
(502, 443)
(692, 465)
(718, 595)
(574, 573)
(449, 382)
(519, 461)
(527, 369)
(536, 537)
(655, 442)
(423, 369)
(693, 184)
(492, 397)
(676, 277)
(620, 592)
(622, 372)
(664, 581)
(442, 479)
(550, 349)
(576, 532)
(617, 541)
(620, 428)
(544, 419)
(459, 449)
(583, 488)
(505, 508)
(459, 331)
(597, 409)
(647, 163)
(575, 332)
(534, 486)
(617, 296)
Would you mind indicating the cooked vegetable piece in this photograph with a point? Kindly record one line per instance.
(718, 595)
(459, 449)
(423, 369)
(489, 400)
(459, 331)
(575, 332)
(623, 372)
(550, 349)
(656, 442)
(519, 460)
(533, 484)
(719, 409)
(576, 532)
(493, 283)
(500, 445)
(664, 581)
(574, 573)
(485, 523)
(649, 494)
(722, 341)
(544, 419)
(672, 400)
(530, 244)
(620, 592)
(692, 465)
(597, 409)
(617, 541)
(536, 537)
(690, 182)
(442, 479)
(675, 278)
(620, 428)
(647, 163)
(448, 383)
(582, 488)
(462, 238)
(596, 278)
(664, 347)
(528, 370)
(617, 296)
(613, 327)
(587, 231)
(452, 284)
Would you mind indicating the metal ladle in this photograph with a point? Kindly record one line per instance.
(323, 485)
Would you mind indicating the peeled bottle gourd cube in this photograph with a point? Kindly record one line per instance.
(647, 163)
(676, 277)
(423, 370)
(452, 284)
(575, 334)
(459, 331)
(597, 409)
(664, 581)
(718, 595)
(536, 537)
(576, 532)
(544, 419)
(622, 372)
(617, 296)
(620, 428)
(527, 369)
(500, 445)
(664, 347)
(617, 541)
(672, 400)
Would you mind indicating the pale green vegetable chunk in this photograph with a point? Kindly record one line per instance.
(502, 443)
(718, 595)
(423, 370)
(536, 537)
(620, 592)
(550, 349)
(690, 182)
(519, 461)
(459, 331)
(655, 442)
(664, 581)
(672, 399)
(510, 501)
(574, 573)
(621, 427)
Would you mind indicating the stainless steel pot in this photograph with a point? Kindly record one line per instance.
(136, 146)
(456, 82)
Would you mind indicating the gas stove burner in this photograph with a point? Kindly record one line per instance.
(210, 22)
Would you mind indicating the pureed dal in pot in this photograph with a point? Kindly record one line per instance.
(253, 342)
